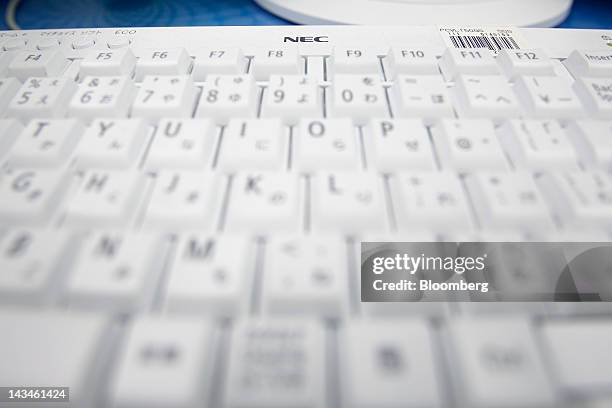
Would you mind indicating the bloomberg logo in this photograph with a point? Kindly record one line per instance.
(322, 38)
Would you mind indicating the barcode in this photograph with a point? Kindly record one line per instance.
(491, 42)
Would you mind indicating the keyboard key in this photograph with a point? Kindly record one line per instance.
(499, 363)
(264, 202)
(108, 62)
(253, 144)
(46, 143)
(112, 143)
(208, 278)
(580, 354)
(173, 352)
(306, 276)
(29, 196)
(8, 89)
(165, 96)
(325, 144)
(186, 143)
(46, 44)
(485, 97)
(548, 97)
(292, 97)
(590, 63)
(381, 369)
(411, 61)
(354, 60)
(225, 97)
(37, 64)
(105, 197)
(468, 145)
(9, 129)
(108, 97)
(184, 199)
(83, 42)
(358, 97)
(419, 97)
(157, 61)
(591, 139)
(268, 61)
(276, 364)
(399, 144)
(525, 62)
(41, 98)
(39, 341)
(348, 202)
(507, 201)
(5, 59)
(30, 260)
(455, 62)
(596, 94)
(538, 145)
(229, 60)
(430, 201)
(114, 271)
(14, 44)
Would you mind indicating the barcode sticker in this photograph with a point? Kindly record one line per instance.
(493, 39)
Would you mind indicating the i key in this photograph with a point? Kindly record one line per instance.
(41, 98)
(165, 96)
(108, 97)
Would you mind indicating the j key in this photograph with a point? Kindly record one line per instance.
(538, 145)
(358, 97)
(256, 144)
(230, 61)
(525, 62)
(38, 343)
(587, 373)
(399, 144)
(108, 97)
(581, 200)
(590, 63)
(165, 96)
(421, 96)
(264, 201)
(225, 97)
(108, 62)
(112, 143)
(154, 61)
(8, 89)
(325, 144)
(592, 140)
(174, 352)
(499, 363)
(29, 260)
(381, 369)
(292, 97)
(29, 196)
(468, 144)
(485, 97)
(425, 201)
(276, 364)
(46, 143)
(186, 143)
(41, 98)
(354, 60)
(455, 62)
(268, 61)
(183, 199)
(114, 271)
(348, 202)
(9, 129)
(507, 201)
(206, 276)
(548, 97)
(27, 64)
(105, 197)
(411, 61)
(596, 94)
(306, 276)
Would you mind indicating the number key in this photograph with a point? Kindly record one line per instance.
(41, 98)
(165, 96)
(359, 97)
(102, 97)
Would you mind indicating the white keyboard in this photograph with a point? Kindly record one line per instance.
(181, 211)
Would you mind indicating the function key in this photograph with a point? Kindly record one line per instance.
(14, 44)
(590, 63)
(83, 42)
(412, 60)
(468, 61)
(354, 60)
(37, 64)
(218, 61)
(155, 61)
(525, 62)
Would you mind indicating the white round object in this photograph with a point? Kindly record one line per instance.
(522, 13)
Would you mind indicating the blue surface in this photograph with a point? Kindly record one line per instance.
(124, 13)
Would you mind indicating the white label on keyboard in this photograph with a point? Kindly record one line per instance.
(103, 97)
(292, 97)
(165, 96)
(325, 144)
(225, 97)
(493, 39)
(41, 98)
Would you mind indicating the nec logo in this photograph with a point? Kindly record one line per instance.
(322, 38)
